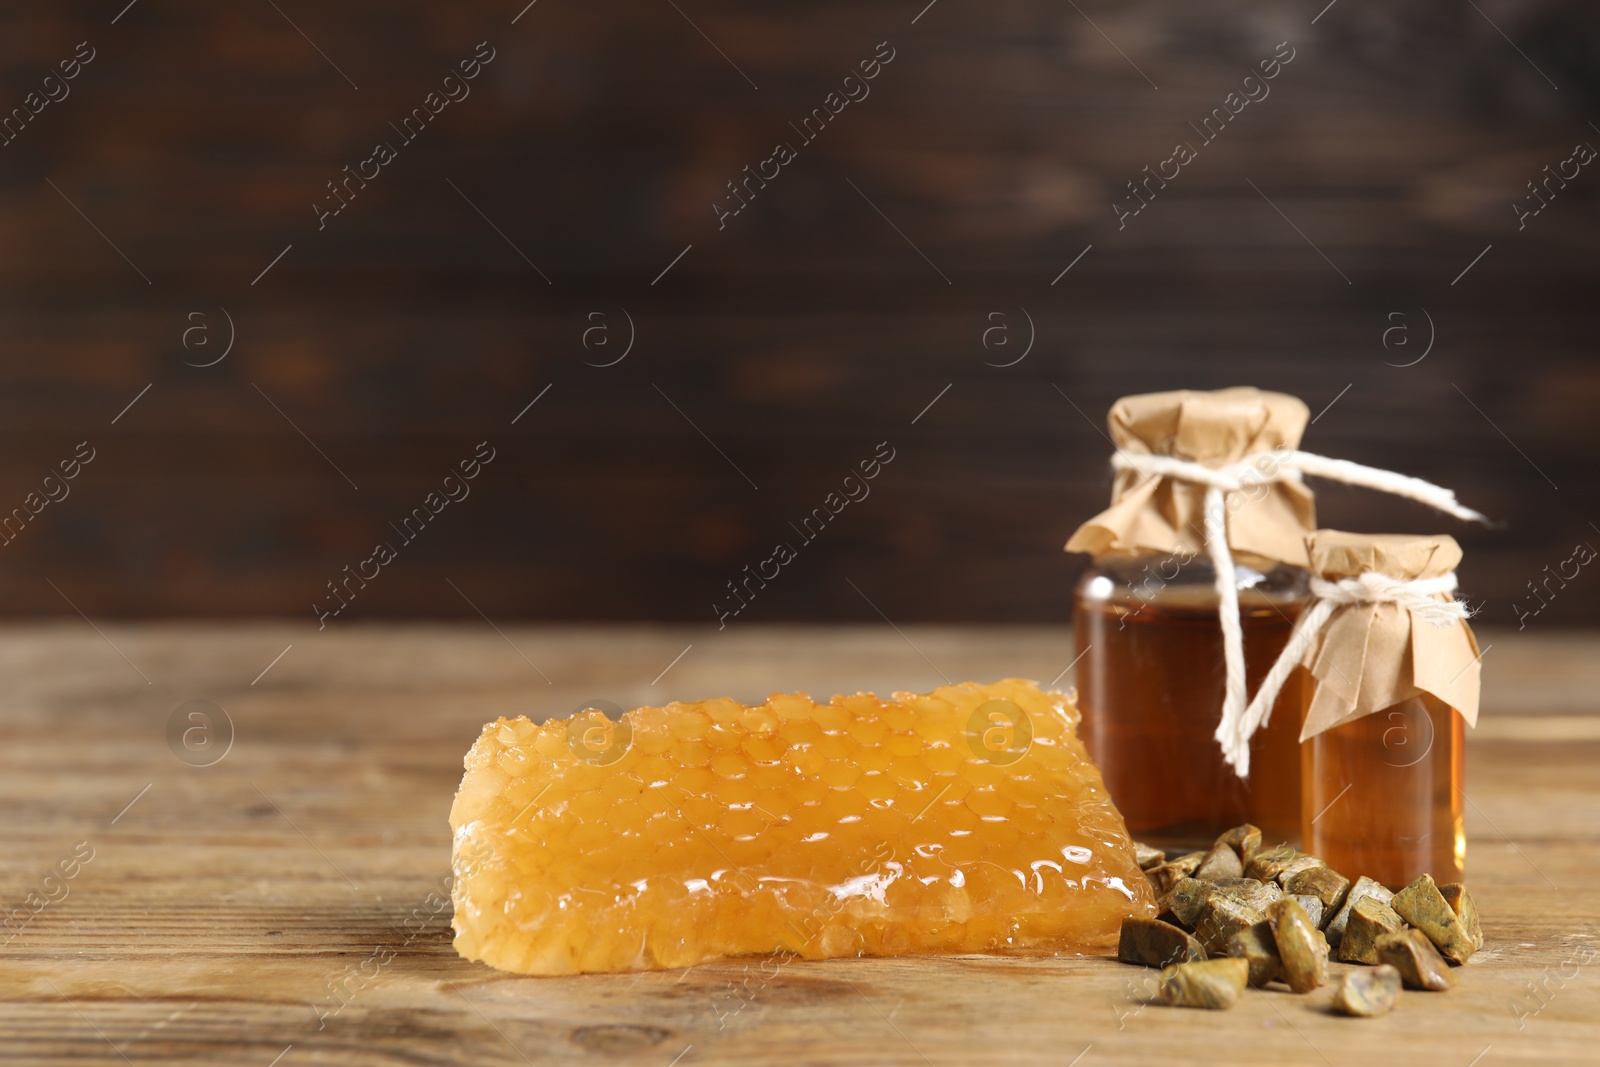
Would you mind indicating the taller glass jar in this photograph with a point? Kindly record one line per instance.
(1151, 679)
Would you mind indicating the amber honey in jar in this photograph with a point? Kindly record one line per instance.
(1147, 616)
(1150, 680)
(1384, 793)
(1391, 682)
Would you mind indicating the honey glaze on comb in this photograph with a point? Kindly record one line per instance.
(965, 820)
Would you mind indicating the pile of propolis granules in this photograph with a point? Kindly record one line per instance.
(1240, 914)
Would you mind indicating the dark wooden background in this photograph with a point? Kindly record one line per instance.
(798, 337)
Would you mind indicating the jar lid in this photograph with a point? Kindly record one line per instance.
(1216, 428)
(1155, 514)
(1336, 554)
(1372, 655)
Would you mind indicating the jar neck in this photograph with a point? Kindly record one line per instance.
(1187, 580)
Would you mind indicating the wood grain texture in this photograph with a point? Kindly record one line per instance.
(220, 907)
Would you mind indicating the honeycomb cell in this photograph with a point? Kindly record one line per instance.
(585, 836)
(903, 743)
(742, 790)
(729, 765)
(791, 707)
(588, 805)
(873, 758)
(843, 807)
(764, 748)
(723, 710)
(800, 731)
(654, 770)
(656, 801)
(998, 834)
(862, 826)
(1022, 789)
(688, 724)
(910, 773)
(941, 756)
(759, 720)
(742, 825)
(840, 774)
(696, 811)
(836, 744)
(875, 785)
(934, 719)
(833, 718)
(988, 802)
(653, 739)
(868, 731)
(807, 791)
(691, 753)
(899, 715)
(622, 788)
(803, 764)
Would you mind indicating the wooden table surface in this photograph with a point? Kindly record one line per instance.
(211, 909)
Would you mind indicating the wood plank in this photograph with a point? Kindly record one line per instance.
(218, 908)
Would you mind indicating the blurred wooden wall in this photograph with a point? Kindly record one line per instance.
(852, 291)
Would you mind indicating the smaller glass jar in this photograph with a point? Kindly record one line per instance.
(1150, 679)
(1383, 793)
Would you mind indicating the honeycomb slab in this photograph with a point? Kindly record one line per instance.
(966, 820)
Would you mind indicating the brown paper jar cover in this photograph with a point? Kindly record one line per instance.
(1367, 656)
(1267, 522)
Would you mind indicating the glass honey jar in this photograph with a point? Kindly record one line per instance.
(1152, 667)
(1389, 683)
(1383, 793)
(1150, 683)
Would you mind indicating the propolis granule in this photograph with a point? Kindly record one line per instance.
(966, 820)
